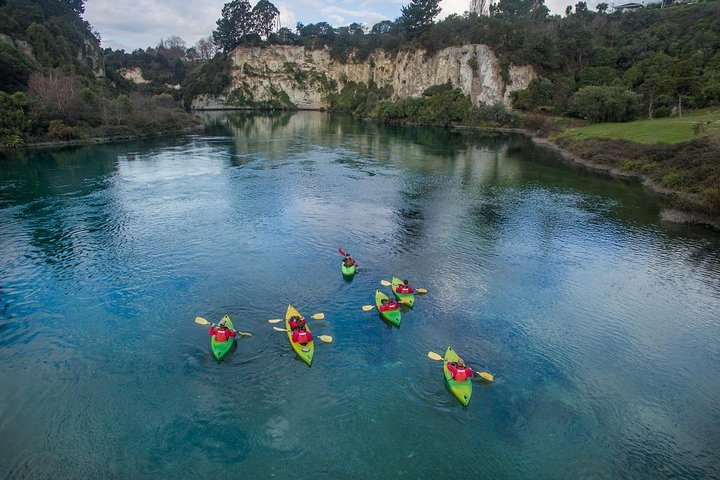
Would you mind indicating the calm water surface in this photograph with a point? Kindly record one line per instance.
(601, 324)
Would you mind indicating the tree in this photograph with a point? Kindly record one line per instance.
(264, 17)
(602, 7)
(235, 23)
(386, 26)
(206, 48)
(684, 79)
(419, 14)
(605, 104)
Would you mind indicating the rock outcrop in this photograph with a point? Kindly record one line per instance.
(294, 76)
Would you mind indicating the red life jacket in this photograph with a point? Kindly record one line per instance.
(404, 289)
(222, 334)
(301, 336)
(459, 374)
(388, 306)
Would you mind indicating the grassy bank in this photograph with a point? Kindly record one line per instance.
(662, 130)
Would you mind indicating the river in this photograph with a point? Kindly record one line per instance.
(600, 323)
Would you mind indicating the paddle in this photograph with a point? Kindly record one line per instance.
(202, 321)
(317, 316)
(421, 291)
(324, 338)
(484, 375)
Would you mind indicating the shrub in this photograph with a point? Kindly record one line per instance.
(59, 131)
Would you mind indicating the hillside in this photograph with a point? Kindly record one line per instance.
(53, 83)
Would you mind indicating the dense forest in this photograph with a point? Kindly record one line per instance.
(57, 84)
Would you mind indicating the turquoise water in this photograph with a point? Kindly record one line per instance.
(600, 323)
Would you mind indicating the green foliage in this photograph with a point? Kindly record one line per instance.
(209, 77)
(604, 104)
(440, 105)
(358, 98)
(419, 14)
(59, 131)
(240, 24)
(15, 124)
(15, 68)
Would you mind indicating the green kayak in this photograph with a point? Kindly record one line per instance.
(392, 316)
(406, 298)
(348, 271)
(303, 351)
(220, 349)
(461, 390)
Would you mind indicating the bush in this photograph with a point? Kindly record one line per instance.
(59, 131)
(605, 104)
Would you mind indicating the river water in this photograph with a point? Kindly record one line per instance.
(600, 323)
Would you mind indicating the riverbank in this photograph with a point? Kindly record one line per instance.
(100, 140)
(685, 173)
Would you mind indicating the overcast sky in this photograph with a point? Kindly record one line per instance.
(132, 24)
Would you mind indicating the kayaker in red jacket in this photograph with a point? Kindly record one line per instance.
(222, 332)
(388, 306)
(404, 288)
(297, 322)
(460, 372)
(349, 261)
(302, 336)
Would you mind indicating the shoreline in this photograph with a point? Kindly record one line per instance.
(98, 140)
(673, 215)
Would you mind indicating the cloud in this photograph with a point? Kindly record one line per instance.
(132, 24)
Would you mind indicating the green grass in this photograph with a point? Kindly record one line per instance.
(662, 130)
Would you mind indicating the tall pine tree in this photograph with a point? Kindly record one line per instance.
(419, 14)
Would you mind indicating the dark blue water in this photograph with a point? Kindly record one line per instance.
(600, 323)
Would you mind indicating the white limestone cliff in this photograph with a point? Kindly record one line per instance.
(307, 76)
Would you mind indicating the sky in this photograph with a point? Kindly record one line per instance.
(133, 24)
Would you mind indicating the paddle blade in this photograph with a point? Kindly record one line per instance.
(385, 283)
(367, 308)
(318, 316)
(278, 329)
(341, 252)
(486, 376)
(325, 338)
(421, 291)
(245, 334)
(201, 321)
(275, 320)
(434, 356)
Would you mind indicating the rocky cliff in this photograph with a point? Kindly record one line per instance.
(290, 76)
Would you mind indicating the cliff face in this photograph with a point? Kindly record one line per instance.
(294, 76)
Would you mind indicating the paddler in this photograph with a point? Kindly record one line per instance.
(460, 372)
(301, 335)
(296, 322)
(387, 306)
(404, 288)
(349, 261)
(222, 332)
